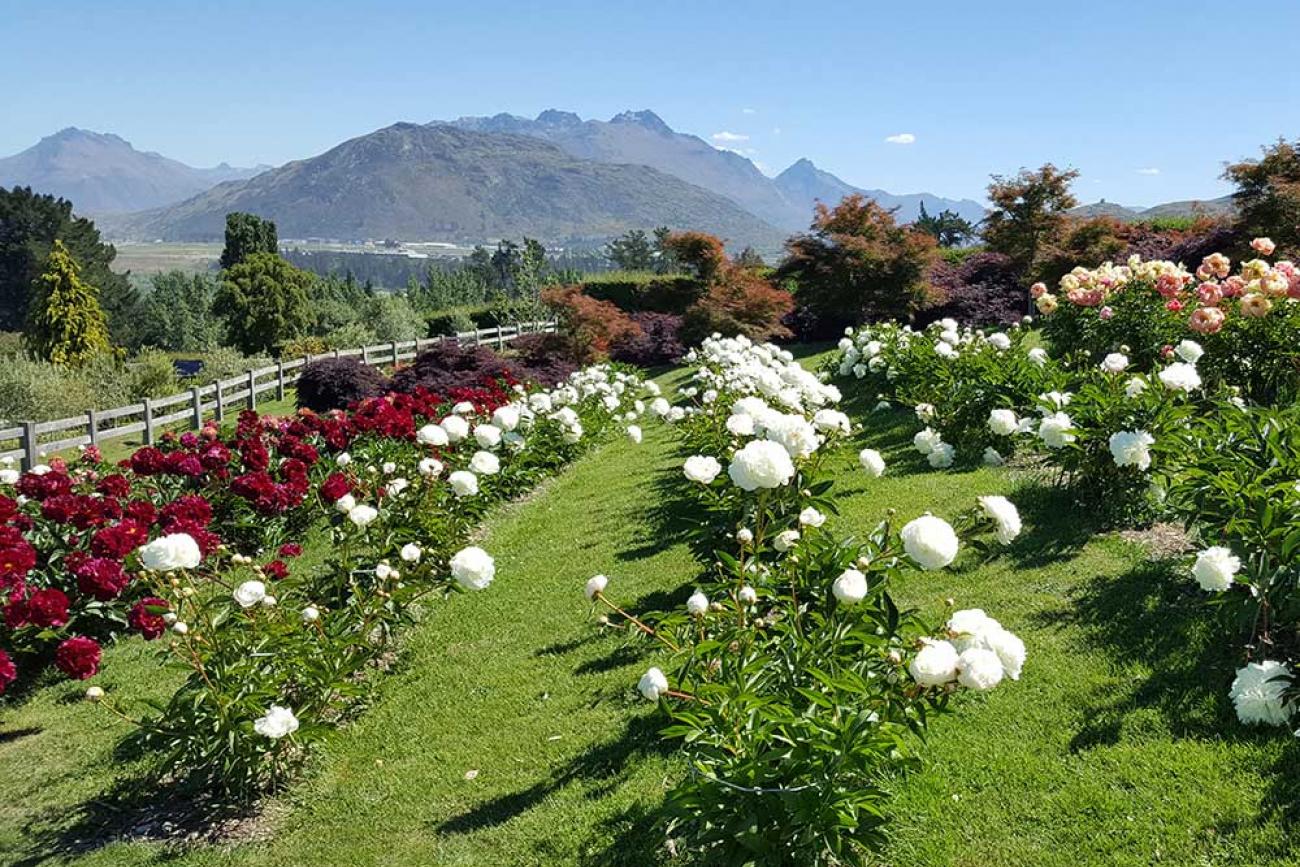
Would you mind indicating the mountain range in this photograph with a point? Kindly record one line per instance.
(642, 137)
(1219, 207)
(556, 177)
(101, 173)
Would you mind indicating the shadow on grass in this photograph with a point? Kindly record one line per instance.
(600, 769)
(1150, 622)
(674, 519)
(1055, 528)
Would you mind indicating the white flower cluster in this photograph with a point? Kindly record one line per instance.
(977, 654)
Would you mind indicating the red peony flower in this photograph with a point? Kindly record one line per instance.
(334, 487)
(290, 549)
(146, 617)
(276, 569)
(17, 558)
(120, 539)
(78, 657)
(101, 579)
(48, 607)
(191, 508)
(8, 671)
(116, 485)
(147, 461)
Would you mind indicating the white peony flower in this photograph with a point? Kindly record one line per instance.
(362, 515)
(810, 517)
(1004, 515)
(1258, 693)
(488, 436)
(396, 486)
(872, 462)
(1054, 430)
(634, 433)
(1180, 376)
(702, 469)
(1189, 351)
(1132, 448)
(485, 463)
(785, 540)
(653, 684)
(924, 412)
(744, 535)
(1134, 387)
(473, 568)
(345, 503)
(1116, 362)
(979, 669)
(431, 435)
(455, 427)
(506, 417)
(740, 425)
(250, 593)
(430, 467)
(410, 553)
(850, 587)
(930, 542)
(747, 595)
(925, 440)
(595, 584)
(1216, 568)
(343, 460)
(1009, 648)
(1003, 422)
(1000, 341)
(992, 457)
(171, 552)
(697, 604)
(310, 614)
(941, 456)
(463, 483)
(276, 723)
(934, 664)
(761, 464)
(9, 477)
(1038, 355)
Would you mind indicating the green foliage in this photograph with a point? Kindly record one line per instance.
(631, 251)
(177, 314)
(247, 235)
(391, 317)
(1028, 212)
(1268, 195)
(645, 291)
(265, 302)
(949, 228)
(65, 324)
(29, 225)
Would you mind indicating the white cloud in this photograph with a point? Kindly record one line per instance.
(1151, 171)
(901, 138)
(749, 111)
(725, 136)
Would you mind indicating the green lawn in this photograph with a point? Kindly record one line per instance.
(1118, 746)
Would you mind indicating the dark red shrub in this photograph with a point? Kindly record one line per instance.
(659, 341)
(547, 358)
(337, 383)
(448, 365)
(983, 290)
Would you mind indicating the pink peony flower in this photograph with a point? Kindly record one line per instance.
(1209, 293)
(1206, 320)
(1263, 246)
(1106, 313)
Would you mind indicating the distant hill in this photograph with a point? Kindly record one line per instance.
(642, 137)
(101, 173)
(1219, 207)
(806, 183)
(443, 182)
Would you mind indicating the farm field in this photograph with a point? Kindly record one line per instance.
(511, 732)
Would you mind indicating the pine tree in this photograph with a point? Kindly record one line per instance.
(65, 323)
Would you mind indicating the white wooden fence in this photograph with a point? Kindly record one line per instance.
(27, 441)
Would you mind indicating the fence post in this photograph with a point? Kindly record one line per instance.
(365, 355)
(279, 379)
(394, 352)
(501, 338)
(336, 352)
(220, 410)
(148, 421)
(29, 445)
(252, 389)
(196, 404)
(478, 339)
(92, 426)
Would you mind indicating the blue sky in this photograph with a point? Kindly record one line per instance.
(1146, 99)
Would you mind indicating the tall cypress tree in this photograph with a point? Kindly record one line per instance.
(65, 323)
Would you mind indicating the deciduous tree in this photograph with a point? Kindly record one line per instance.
(1029, 213)
(265, 302)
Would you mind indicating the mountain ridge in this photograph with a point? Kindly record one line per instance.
(103, 173)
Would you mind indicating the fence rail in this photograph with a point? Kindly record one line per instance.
(27, 441)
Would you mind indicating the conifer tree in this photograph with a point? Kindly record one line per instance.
(65, 323)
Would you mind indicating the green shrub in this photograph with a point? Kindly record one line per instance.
(645, 293)
(39, 391)
(151, 373)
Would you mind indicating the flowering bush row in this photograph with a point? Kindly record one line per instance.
(791, 676)
(197, 544)
(1246, 320)
(1171, 436)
